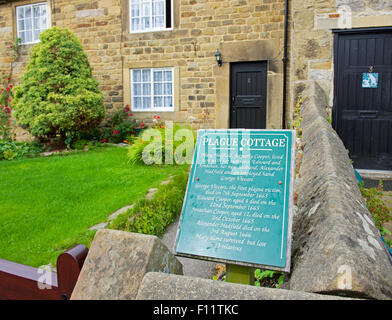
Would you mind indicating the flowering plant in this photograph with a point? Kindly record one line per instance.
(6, 97)
(157, 122)
(120, 124)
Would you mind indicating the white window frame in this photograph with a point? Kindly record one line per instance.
(32, 5)
(151, 29)
(152, 109)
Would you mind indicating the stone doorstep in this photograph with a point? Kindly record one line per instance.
(375, 174)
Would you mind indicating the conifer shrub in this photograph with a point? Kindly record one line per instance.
(57, 94)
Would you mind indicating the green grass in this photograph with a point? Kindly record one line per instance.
(48, 204)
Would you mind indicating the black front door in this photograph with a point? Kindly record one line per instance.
(362, 113)
(248, 92)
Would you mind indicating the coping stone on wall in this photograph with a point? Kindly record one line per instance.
(336, 246)
(159, 286)
(116, 263)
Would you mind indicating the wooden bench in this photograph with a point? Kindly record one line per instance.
(20, 282)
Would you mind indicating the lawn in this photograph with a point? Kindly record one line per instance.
(48, 204)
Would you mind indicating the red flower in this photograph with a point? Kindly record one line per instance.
(9, 100)
(158, 117)
(131, 114)
(9, 78)
(115, 132)
(11, 85)
(7, 110)
(104, 140)
(142, 124)
(8, 89)
(155, 116)
(126, 109)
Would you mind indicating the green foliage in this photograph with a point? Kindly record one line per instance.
(119, 125)
(57, 93)
(6, 96)
(15, 46)
(386, 232)
(10, 150)
(153, 216)
(135, 151)
(376, 205)
(161, 141)
(297, 119)
(82, 144)
(261, 276)
(221, 273)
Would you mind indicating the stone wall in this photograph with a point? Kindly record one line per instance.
(243, 30)
(311, 40)
(160, 286)
(126, 266)
(336, 247)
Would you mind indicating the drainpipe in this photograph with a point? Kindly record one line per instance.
(285, 60)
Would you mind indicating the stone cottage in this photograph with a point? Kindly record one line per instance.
(229, 63)
(159, 56)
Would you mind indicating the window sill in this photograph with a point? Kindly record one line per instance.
(151, 31)
(29, 43)
(154, 110)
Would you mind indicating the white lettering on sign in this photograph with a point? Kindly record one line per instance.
(256, 142)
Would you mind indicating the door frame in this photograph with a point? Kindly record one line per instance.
(266, 62)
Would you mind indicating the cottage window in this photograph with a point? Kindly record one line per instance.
(150, 15)
(31, 20)
(152, 89)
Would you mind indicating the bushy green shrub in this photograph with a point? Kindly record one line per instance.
(10, 150)
(57, 93)
(153, 216)
(268, 278)
(163, 145)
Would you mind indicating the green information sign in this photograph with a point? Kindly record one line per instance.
(239, 199)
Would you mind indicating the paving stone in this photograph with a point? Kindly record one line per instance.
(151, 193)
(99, 226)
(120, 211)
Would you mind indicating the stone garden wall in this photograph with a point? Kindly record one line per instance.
(336, 247)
